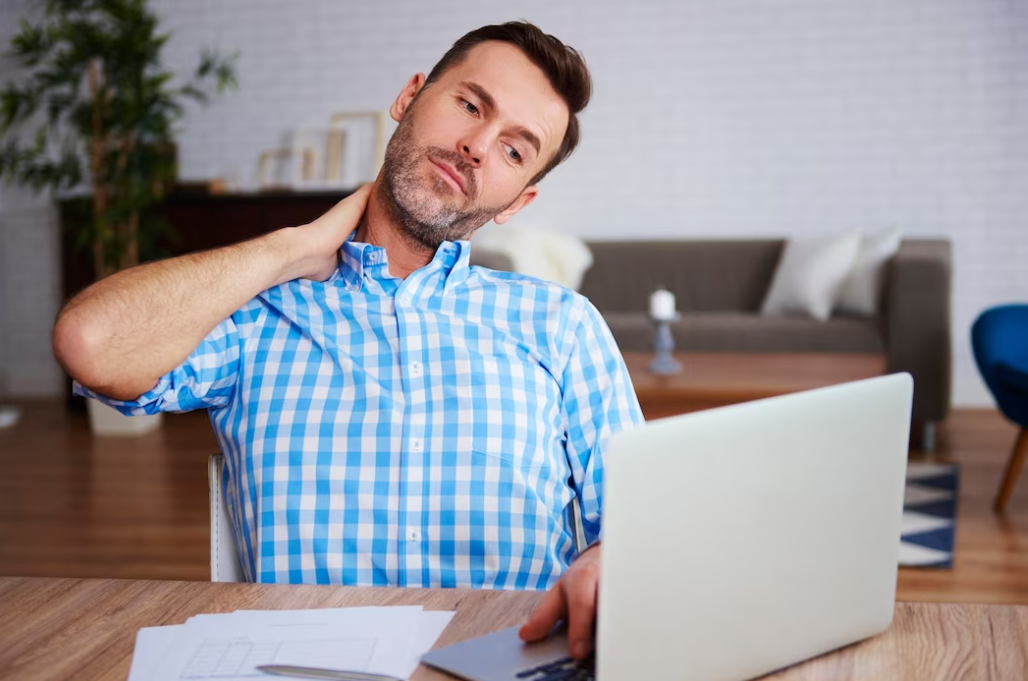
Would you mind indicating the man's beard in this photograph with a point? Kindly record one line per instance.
(429, 210)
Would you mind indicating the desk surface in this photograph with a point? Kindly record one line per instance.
(715, 379)
(86, 628)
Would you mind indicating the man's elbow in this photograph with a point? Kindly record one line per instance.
(79, 347)
(74, 346)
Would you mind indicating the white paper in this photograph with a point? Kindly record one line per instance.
(226, 647)
(432, 624)
(151, 645)
(373, 641)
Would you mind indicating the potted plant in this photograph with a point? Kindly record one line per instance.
(95, 109)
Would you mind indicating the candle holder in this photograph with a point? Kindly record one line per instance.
(664, 345)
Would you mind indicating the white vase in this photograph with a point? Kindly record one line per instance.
(9, 416)
(106, 420)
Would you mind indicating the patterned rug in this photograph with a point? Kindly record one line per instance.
(929, 516)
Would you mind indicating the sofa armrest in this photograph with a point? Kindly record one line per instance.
(918, 323)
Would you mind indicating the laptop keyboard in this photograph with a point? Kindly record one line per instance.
(565, 669)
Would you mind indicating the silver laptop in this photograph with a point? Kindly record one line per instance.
(737, 541)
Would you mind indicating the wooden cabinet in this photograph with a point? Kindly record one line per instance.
(195, 222)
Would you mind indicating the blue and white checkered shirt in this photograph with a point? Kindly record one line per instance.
(422, 432)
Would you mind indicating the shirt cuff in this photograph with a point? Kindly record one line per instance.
(147, 403)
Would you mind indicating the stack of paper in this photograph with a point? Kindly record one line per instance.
(382, 640)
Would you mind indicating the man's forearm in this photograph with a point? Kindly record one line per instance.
(119, 336)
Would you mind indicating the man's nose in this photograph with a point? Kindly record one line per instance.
(472, 148)
(474, 159)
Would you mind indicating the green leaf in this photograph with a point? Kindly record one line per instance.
(31, 44)
(17, 104)
(136, 108)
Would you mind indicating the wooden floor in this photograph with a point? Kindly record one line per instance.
(75, 505)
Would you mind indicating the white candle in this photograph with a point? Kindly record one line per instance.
(662, 305)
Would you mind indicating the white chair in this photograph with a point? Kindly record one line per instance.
(225, 565)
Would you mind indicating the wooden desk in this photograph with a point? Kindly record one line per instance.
(85, 629)
(715, 379)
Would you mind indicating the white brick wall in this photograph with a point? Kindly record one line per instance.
(29, 275)
(29, 295)
(729, 118)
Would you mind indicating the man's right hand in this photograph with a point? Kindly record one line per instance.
(318, 243)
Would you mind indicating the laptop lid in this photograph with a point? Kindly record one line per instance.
(740, 540)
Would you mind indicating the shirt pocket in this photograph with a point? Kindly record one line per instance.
(503, 398)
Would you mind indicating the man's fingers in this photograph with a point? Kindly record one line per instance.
(581, 598)
(550, 610)
(319, 254)
(352, 207)
(360, 197)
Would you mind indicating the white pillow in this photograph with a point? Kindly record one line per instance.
(542, 253)
(862, 291)
(810, 274)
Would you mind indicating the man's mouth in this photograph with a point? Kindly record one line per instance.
(450, 173)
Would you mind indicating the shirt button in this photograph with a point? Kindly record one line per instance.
(415, 369)
(414, 535)
(416, 446)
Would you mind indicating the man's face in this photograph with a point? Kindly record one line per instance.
(468, 144)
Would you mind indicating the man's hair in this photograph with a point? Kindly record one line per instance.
(563, 65)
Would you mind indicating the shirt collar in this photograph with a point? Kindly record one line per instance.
(448, 267)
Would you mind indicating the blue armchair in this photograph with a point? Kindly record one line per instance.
(1000, 340)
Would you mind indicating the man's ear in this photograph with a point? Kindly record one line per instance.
(527, 197)
(399, 108)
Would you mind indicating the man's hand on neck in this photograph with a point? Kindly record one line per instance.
(315, 251)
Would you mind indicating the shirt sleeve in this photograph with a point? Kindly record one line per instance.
(207, 378)
(599, 400)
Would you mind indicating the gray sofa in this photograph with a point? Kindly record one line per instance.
(719, 287)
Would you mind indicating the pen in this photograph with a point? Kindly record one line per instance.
(315, 673)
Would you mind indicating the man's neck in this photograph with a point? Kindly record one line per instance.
(378, 227)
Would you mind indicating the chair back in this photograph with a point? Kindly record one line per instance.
(998, 340)
(225, 565)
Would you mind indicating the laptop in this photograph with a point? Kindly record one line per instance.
(736, 541)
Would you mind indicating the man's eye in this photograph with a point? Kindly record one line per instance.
(469, 107)
(513, 153)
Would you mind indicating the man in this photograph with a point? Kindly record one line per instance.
(388, 414)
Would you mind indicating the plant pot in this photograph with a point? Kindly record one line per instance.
(106, 420)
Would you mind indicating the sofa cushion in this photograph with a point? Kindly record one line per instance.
(810, 275)
(705, 275)
(862, 292)
(741, 332)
